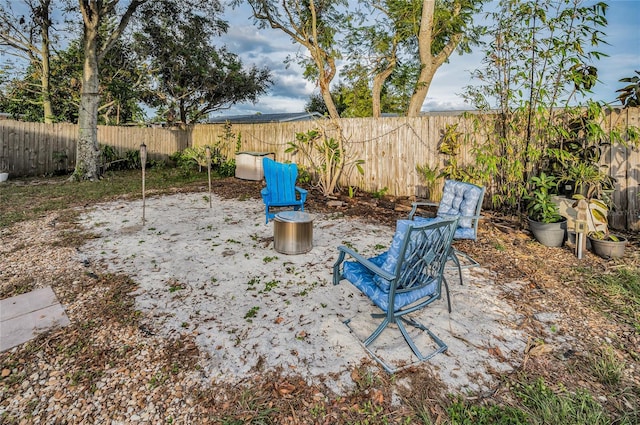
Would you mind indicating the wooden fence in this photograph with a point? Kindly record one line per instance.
(390, 148)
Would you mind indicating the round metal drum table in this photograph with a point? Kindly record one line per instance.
(293, 232)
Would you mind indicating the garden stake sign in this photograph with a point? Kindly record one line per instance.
(581, 228)
(208, 150)
(143, 161)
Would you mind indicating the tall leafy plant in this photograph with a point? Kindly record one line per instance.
(326, 156)
(541, 59)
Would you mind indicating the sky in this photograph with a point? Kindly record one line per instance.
(290, 92)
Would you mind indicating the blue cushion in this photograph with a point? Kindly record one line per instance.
(460, 199)
(363, 279)
(465, 233)
(392, 255)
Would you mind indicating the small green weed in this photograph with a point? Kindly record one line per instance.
(318, 411)
(380, 193)
(252, 313)
(176, 286)
(349, 245)
(157, 379)
(270, 285)
(606, 367)
(252, 283)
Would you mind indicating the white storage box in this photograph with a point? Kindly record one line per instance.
(249, 165)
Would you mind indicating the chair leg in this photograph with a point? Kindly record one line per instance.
(337, 275)
(470, 260)
(441, 346)
(377, 332)
(455, 259)
(446, 288)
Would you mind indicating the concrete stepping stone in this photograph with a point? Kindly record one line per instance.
(25, 316)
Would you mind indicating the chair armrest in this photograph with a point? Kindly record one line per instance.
(337, 276)
(415, 205)
(265, 194)
(473, 217)
(302, 192)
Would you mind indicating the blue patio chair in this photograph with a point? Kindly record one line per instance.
(281, 190)
(402, 280)
(462, 200)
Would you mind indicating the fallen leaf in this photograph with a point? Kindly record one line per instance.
(540, 350)
(495, 351)
(284, 388)
(378, 397)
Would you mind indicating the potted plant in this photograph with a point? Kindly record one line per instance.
(545, 222)
(603, 243)
(587, 179)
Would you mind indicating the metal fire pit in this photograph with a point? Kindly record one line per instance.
(293, 232)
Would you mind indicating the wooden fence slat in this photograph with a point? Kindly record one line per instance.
(390, 147)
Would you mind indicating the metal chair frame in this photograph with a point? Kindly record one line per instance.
(402, 282)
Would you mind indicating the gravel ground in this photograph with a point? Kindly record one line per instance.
(107, 367)
(103, 368)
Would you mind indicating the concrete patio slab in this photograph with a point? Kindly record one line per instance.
(25, 316)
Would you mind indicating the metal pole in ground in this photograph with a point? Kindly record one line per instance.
(582, 228)
(208, 150)
(143, 162)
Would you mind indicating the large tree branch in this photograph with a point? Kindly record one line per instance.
(444, 54)
(124, 21)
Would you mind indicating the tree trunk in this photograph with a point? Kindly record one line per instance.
(46, 91)
(88, 151)
(46, 68)
(428, 63)
(326, 96)
(426, 66)
(376, 90)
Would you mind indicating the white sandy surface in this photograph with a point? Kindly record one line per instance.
(214, 273)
